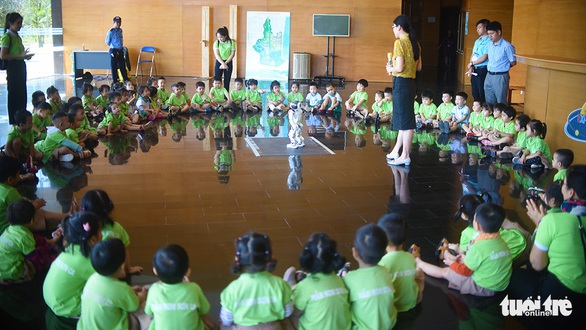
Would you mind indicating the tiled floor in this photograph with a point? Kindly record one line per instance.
(168, 191)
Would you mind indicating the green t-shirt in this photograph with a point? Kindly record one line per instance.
(105, 303)
(116, 120)
(535, 144)
(512, 237)
(491, 263)
(218, 94)
(200, 99)
(116, 231)
(276, 97)
(428, 111)
(377, 108)
(560, 175)
(487, 122)
(522, 139)
(323, 298)
(357, 96)
(13, 41)
(444, 110)
(401, 266)
(8, 194)
(509, 127)
(176, 101)
(238, 95)
(253, 96)
(475, 119)
(71, 134)
(15, 243)
(415, 107)
(124, 108)
(225, 48)
(371, 298)
(84, 126)
(102, 101)
(41, 124)
(176, 306)
(256, 298)
(85, 100)
(387, 108)
(55, 105)
(65, 281)
(163, 94)
(498, 124)
(559, 237)
(295, 97)
(26, 138)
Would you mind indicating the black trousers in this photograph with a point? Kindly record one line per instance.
(226, 72)
(478, 83)
(117, 61)
(16, 86)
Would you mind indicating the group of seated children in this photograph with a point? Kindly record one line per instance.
(382, 107)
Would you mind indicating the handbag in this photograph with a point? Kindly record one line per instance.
(4, 63)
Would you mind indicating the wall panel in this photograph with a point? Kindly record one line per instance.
(174, 28)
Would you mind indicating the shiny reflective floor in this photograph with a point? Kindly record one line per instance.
(170, 184)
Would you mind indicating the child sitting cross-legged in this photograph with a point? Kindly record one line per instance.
(372, 295)
(487, 266)
(57, 146)
(20, 143)
(171, 265)
(106, 301)
(115, 121)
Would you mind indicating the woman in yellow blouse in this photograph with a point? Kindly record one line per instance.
(406, 61)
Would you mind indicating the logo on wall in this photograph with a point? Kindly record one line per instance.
(575, 128)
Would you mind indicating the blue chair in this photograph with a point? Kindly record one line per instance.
(146, 56)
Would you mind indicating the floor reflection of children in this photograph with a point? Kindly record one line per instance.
(224, 156)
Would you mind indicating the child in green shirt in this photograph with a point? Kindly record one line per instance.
(537, 154)
(104, 98)
(57, 146)
(257, 297)
(17, 241)
(320, 298)
(162, 93)
(89, 101)
(408, 280)
(21, 143)
(487, 266)
(171, 265)
(54, 99)
(98, 202)
(427, 112)
(177, 103)
(106, 301)
(253, 96)
(201, 101)
(70, 271)
(356, 105)
(238, 95)
(562, 159)
(41, 119)
(276, 98)
(445, 109)
(219, 95)
(372, 296)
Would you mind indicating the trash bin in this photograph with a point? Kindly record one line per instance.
(301, 65)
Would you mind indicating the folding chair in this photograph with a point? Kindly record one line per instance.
(146, 55)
